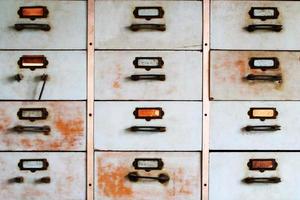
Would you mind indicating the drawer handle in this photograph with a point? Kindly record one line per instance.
(147, 129)
(250, 180)
(18, 179)
(44, 78)
(35, 129)
(266, 27)
(43, 27)
(269, 128)
(18, 77)
(44, 180)
(153, 27)
(152, 77)
(272, 78)
(135, 177)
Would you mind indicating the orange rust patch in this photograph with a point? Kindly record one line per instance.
(116, 83)
(241, 65)
(26, 143)
(181, 186)
(111, 181)
(4, 121)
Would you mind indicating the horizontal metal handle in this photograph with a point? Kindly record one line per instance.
(266, 27)
(250, 180)
(45, 179)
(268, 128)
(18, 179)
(135, 177)
(153, 27)
(147, 129)
(43, 27)
(154, 77)
(273, 78)
(36, 129)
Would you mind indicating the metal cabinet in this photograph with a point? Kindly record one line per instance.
(43, 75)
(148, 24)
(148, 125)
(255, 125)
(257, 25)
(147, 175)
(255, 75)
(148, 75)
(43, 24)
(42, 176)
(42, 126)
(254, 176)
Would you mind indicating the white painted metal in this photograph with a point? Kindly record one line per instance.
(66, 170)
(183, 169)
(113, 69)
(183, 20)
(181, 119)
(66, 71)
(228, 169)
(67, 20)
(229, 117)
(229, 17)
(229, 69)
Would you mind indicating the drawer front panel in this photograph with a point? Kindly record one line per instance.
(235, 77)
(120, 75)
(228, 173)
(117, 127)
(117, 27)
(114, 169)
(64, 19)
(42, 126)
(244, 132)
(64, 175)
(255, 25)
(22, 76)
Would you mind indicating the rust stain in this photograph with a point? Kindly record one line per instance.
(241, 65)
(26, 143)
(181, 185)
(111, 181)
(117, 82)
(4, 121)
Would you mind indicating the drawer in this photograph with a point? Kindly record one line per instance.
(148, 24)
(255, 125)
(23, 74)
(42, 126)
(117, 175)
(232, 179)
(148, 75)
(42, 176)
(258, 25)
(43, 24)
(148, 125)
(255, 75)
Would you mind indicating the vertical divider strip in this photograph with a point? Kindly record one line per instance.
(206, 103)
(90, 97)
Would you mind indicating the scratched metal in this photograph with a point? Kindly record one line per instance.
(183, 71)
(66, 120)
(229, 118)
(229, 69)
(67, 20)
(228, 169)
(183, 20)
(182, 120)
(111, 182)
(66, 170)
(66, 76)
(229, 17)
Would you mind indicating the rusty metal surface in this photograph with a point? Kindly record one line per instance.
(66, 120)
(66, 172)
(113, 167)
(229, 70)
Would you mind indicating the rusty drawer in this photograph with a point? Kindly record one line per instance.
(118, 175)
(42, 176)
(148, 125)
(255, 75)
(255, 125)
(148, 24)
(45, 75)
(43, 24)
(148, 75)
(254, 176)
(42, 126)
(257, 25)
